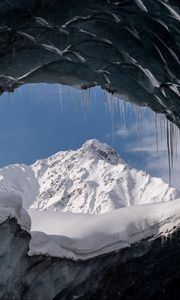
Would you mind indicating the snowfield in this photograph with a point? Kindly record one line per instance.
(80, 236)
(93, 179)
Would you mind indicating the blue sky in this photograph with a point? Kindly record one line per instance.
(39, 120)
(35, 122)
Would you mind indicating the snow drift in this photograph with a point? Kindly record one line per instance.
(80, 236)
(83, 236)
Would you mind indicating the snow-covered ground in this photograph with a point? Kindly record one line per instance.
(82, 236)
(92, 179)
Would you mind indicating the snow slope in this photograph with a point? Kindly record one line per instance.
(82, 236)
(92, 179)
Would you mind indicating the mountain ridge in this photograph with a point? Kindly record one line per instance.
(91, 179)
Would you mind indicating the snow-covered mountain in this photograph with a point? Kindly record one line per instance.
(92, 179)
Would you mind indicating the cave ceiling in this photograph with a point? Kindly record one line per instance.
(130, 48)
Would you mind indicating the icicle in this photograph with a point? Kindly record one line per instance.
(156, 134)
(74, 102)
(161, 129)
(95, 98)
(169, 150)
(162, 240)
(60, 97)
(85, 103)
(171, 143)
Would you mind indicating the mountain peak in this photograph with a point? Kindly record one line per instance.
(101, 150)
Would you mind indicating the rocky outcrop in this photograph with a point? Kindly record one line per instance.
(147, 270)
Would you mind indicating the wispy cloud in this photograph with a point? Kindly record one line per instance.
(149, 141)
